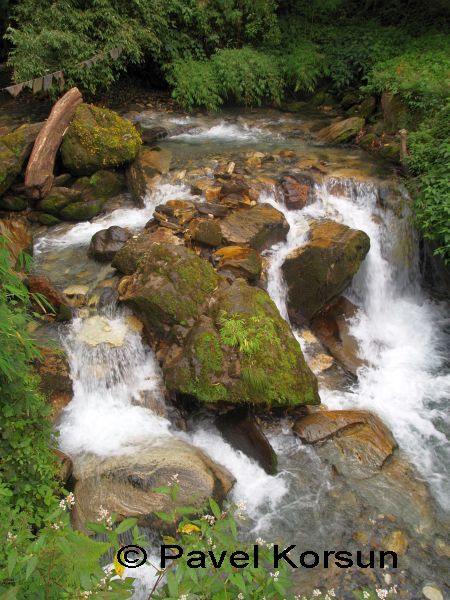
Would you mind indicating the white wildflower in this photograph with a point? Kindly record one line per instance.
(240, 596)
(11, 537)
(366, 595)
(382, 593)
(275, 575)
(210, 519)
(316, 593)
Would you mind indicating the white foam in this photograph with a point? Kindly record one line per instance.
(223, 131)
(397, 327)
(132, 218)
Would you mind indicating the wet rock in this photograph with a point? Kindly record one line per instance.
(127, 258)
(331, 326)
(264, 365)
(297, 191)
(169, 287)
(323, 268)
(258, 227)
(240, 429)
(77, 294)
(150, 135)
(125, 484)
(397, 542)
(108, 298)
(15, 148)
(240, 261)
(205, 231)
(57, 199)
(360, 442)
(98, 138)
(145, 172)
(97, 330)
(65, 466)
(13, 203)
(55, 381)
(107, 242)
(341, 131)
(432, 592)
(59, 303)
(18, 237)
(182, 211)
(208, 208)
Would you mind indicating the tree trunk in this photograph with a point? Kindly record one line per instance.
(39, 173)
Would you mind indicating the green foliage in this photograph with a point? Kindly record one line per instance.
(216, 530)
(245, 76)
(419, 75)
(304, 66)
(27, 464)
(429, 161)
(62, 563)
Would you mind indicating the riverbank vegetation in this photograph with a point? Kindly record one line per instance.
(252, 52)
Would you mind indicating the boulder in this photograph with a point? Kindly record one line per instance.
(323, 268)
(150, 135)
(18, 237)
(107, 242)
(205, 231)
(241, 352)
(170, 285)
(65, 466)
(125, 484)
(55, 381)
(57, 199)
(341, 131)
(38, 284)
(395, 113)
(240, 429)
(179, 212)
(98, 138)
(13, 203)
(297, 191)
(331, 326)
(145, 171)
(258, 227)
(210, 208)
(361, 441)
(239, 261)
(15, 147)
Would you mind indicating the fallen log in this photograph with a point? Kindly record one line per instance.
(39, 173)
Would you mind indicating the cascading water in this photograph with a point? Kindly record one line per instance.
(398, 329)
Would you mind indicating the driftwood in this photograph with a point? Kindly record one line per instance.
(39, 173)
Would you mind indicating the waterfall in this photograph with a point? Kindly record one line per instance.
(399, 330)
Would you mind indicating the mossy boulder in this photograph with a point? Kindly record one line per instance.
(341, 131)
(145, 171)
(15, 147)
(100, 185)
(395, 113)
(13, 203)
(318, 272)
(242, 352)
(98, 138)
(205, 231)
(57, 199)
(170, 286)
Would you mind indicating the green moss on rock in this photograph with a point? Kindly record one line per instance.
(170, 285)
(98, 138)
(15, 148)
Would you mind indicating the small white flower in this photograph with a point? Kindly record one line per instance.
(316, 593)
(11, 537)
(240, 596)
(332, 593)
(211, 520)
(366, 595)
(183, 597)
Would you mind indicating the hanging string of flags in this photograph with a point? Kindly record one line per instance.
(45, 82)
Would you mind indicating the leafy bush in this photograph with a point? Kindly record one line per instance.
(194, 83)
(27, 464)
(304, 66)
(429, 161)
(419, 75)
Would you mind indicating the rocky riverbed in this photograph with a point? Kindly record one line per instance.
(237, 300)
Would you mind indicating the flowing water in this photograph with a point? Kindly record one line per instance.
(401, 333)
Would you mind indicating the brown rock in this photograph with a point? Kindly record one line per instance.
(125, 484)
(208, 208)
(297, 191)
(362, 441)
(205, 231)
(258, 227)
(126, 259)
(323, 268)
(241, 261)
(240, 428)
(145, 172)
(107, 242)
(331, 326)
(55, 380)
(65, 466)
(39, 173)
(341, 131)
(396, 542)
